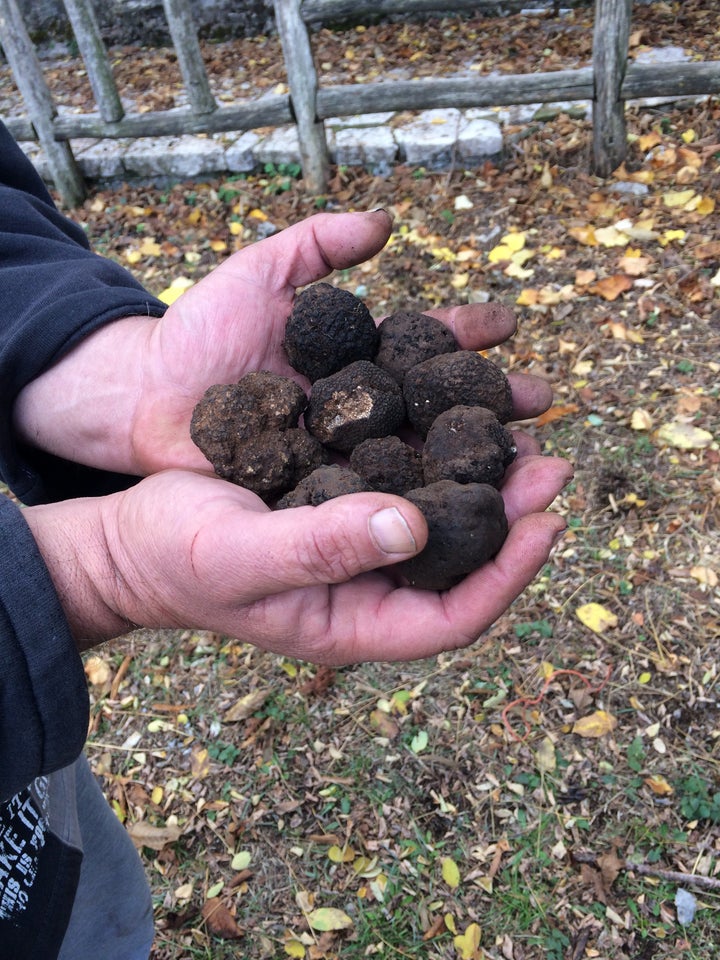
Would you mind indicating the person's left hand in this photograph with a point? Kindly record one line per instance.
(122, 400)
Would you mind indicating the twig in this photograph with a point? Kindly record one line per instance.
(120, 676)
(648, 870)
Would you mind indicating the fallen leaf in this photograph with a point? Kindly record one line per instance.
(293, 948)
(329, 918)
(659, 785)
(246, 706)
(199, 761)
(97, 671)
(384, 724)
(468, 943)
(597, 724)
(341, 854)
(545, 759)
(610, 288)
(144, 834)
(450, 873)
(556, 413)
(641, 420)
(705, 575)
(683, 436)
(584, 235)
(220, 922)
(596, 617)
(678, 198)
(178, 286)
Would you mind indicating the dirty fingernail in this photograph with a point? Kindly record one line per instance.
(390, 531)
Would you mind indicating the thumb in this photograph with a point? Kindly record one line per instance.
(306, 546)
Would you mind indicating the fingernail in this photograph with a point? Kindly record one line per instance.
(559, 536)
(390, 531)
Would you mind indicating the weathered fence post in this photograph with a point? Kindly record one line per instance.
(184, 37)
(28, 74)
(610, 50)
(85, 27)
(303, 82)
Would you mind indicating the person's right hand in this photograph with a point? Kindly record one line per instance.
(181, 549)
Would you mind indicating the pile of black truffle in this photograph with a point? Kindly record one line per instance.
(373, 388)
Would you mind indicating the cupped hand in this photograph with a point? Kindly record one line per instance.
(122, 400)
(181, 549)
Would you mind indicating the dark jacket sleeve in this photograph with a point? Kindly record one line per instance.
(53, 292)
(43, 692)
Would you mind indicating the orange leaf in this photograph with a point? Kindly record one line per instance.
(220, 922)
(610, 288)
(556, 413)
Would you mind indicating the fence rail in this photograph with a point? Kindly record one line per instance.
(608, 83)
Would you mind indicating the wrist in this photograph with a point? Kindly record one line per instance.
(71, 539)
(83, 407)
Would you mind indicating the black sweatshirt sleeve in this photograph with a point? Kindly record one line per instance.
(53, 292)
(43, 692)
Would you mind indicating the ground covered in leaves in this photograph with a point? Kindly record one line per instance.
(553, 791)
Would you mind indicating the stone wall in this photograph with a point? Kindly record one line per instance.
(143, 21)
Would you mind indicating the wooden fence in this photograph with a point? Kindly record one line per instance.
(608, 83)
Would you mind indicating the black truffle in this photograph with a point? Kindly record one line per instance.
(408, 338)
(388, 465)
(357, 402)
(463, 378)
(328, 329)
(229, 414)
(467, 526)
(274, 462)
(323, 484)
(469, 445)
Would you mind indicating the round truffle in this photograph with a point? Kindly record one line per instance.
(469, 445)
(467, 526)
(463, 378)
(274, 462)
(228, 414)
(388, 465)
(323, 484)
(408, 338)
(328, 329)
(357, 402)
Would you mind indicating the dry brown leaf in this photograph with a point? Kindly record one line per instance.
(144, 834)
(220, 922)
(246, 706)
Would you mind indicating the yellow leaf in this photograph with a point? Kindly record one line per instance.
(645, 677)
(199, 762)
(584, 235)
(97, 671)
(156, 795)
(235, 228)
(677, 198)
(178, 286)
(649, 140)
(611, 237)
(293, 948)
(659, 785)
(258, 214)
(545, 756)
(468, 944)
(519, 273)
(704, 575)
(528, 297)
(341, 854)
(683, 436)
(133, 256)
(289, 668)
(688, 136)
(670, 235)
(329, 918)
(450, 873)
(596, 617)
(516, 241)
(510, 244)
(218, 246)
(597, 724)
(641, 420)
(450, 922)
(706, 206)
(150, 248)
(460, 281)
